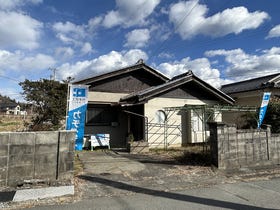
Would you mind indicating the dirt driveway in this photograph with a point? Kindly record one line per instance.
(107, 173)
(112, 173)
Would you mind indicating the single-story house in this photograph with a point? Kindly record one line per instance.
(140, 103)
(250, 93)
(10, 108)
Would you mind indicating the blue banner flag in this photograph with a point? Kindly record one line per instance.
(263, 108)
(79, 92)
(77, 106)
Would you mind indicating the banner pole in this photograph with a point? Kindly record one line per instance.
(67, 105)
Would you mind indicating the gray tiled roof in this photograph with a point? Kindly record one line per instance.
(252, 84)
(173, 83)
(128, 69)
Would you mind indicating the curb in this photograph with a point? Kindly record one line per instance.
(34, 194)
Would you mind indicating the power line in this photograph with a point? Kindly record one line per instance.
(10, 78)
(180, 23)
(175, 29)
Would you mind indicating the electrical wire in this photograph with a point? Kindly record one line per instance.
(10, 78)
(175, 29)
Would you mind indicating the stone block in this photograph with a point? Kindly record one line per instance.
(221, 157)
(232, 137)
(2, 182)
(66, 161)
(263, 135)
(3, 161)
(220, 131)
(66, 177)
(20, 173)
(47, 137)
(4, 150)
(45, 148)
(241, 155)
(248, 135)
(232, 155)
(232, 147)
(25, 138)
(3, 173)
(45, 159)
(67, 141)
(21, 159)
(273, 156)
(66, 156)
(28, 160)
(46, 171)
(232, 130)
(23, 149)
(4, 138)
(66, 166)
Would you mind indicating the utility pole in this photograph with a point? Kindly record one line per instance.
(54, 72)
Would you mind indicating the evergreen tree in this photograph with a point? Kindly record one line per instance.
(49, 99)
(272, 116)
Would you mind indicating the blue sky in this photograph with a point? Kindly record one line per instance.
(221, 41)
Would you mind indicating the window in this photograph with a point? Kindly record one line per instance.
(101, 115)
(160, 116)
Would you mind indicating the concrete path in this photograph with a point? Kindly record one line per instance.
(253, 195)
(116, 180)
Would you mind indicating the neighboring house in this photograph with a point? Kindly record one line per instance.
(10, 108)
(250, 93)
(141, 103)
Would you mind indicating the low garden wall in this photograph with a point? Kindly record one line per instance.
(43, 156)
(233, 149)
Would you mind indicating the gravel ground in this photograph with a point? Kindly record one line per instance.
(160, 170)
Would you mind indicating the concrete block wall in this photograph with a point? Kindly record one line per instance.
(45, 156)
(233, 149)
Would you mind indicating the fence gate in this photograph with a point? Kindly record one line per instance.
(163, 134)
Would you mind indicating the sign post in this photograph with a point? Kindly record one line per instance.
(263, 108)
(77, 106)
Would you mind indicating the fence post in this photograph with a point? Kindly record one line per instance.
(268, 135)
(57, 156)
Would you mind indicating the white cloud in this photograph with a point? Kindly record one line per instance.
(12, 4)
(190, 19)
(243, 66)
(64, 52)
(137, 38)
(19, 61)
(69, 32)
(74, 35)
(130, 13)
(166, 55)
(105, 63)
(86, 48)
(274, 32)
(93, 23)
(12, 92)
(201, 67)
(19, 30)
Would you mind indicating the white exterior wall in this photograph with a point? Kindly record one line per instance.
(175, 137)
(104, 97)
(181, 125)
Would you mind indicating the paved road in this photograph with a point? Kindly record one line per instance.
(121, 181)
(116, 180)
(241, 195)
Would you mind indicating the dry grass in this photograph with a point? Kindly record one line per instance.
(195, 155)
(11, 124)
